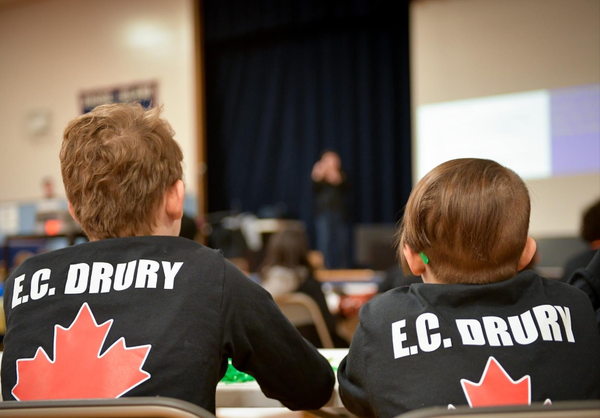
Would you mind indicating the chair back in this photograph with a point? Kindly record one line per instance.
(301, 310)
(147, 407)
(564, 409)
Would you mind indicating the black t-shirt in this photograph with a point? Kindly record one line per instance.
(148, 316)
(330, 197)
(523, 340)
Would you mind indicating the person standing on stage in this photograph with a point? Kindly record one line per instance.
(330, 187)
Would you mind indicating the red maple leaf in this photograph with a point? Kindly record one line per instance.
(496, 387)
(78, 369)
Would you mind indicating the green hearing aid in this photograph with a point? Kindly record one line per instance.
(424, 257)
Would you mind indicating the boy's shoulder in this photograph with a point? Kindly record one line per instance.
(525, 288)
(114, 250)
(403, 299)
(553, 288)
(175, 265)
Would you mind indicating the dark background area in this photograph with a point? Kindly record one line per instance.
(286, 80)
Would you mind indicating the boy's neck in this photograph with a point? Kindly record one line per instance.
(167, 229)
(429, 278)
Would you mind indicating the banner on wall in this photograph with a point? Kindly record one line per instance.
(144, 92)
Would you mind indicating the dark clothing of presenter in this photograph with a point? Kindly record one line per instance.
(331, 223)
(153, 316)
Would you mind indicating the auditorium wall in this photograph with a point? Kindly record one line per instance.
(464, 49)
(51, 50)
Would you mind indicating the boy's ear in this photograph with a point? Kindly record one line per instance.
(528, 253)
(174, 200)
(72, 212)
(414, 260)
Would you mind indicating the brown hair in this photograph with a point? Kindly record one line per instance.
(117, 162)
(471, 218)
(590, 224)
(288, 248)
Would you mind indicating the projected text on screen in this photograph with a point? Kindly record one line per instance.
(538, 134)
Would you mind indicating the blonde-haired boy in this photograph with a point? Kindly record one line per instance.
(476, 331)
(139, 311)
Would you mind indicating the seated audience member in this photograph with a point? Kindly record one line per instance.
(286, 269)
(477, 331)
(138, 311)
(590, 232)
(588, 280)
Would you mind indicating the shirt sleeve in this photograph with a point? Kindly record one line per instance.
(352, 375)
(263, 343)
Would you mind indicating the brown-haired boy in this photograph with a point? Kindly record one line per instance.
(139, 311)
(476, 331)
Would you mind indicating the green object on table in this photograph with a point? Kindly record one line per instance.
(232, 375)
(335, 368)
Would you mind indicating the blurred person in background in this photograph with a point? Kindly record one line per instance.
(286, 269)
(590, 232)
(330, 188)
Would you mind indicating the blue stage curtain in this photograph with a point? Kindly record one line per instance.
(286, 79)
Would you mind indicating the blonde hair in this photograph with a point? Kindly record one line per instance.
(117, 162)
(471, 218)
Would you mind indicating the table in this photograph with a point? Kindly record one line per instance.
(248, 394)
(349, 275)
